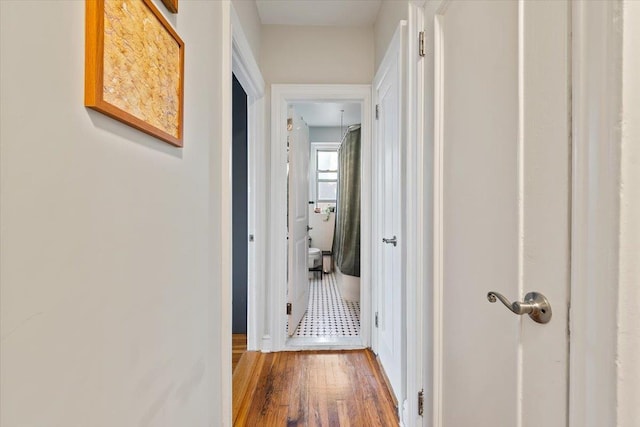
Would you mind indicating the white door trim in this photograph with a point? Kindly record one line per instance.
(281, 95)
(236, 57)
(246, 70)
(438, 220)
(597, 108)
(416, 214)
(220, 210)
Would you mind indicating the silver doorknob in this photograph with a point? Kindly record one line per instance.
(393, 240)
(535, 305)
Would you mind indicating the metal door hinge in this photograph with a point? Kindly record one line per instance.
(377, 111)
(288, 308)
(421, 44)
(421, 402)
(251, 237)
(376, 319)
(289, 124)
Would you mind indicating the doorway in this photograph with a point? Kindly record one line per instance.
(324, 182)
(240, 220)
(283, 97)
(245, 76)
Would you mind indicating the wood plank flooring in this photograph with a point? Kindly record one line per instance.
(238, 347)
(311, 388)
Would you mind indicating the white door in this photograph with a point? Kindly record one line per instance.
(298, 282)
(387, 236)
(502, 123)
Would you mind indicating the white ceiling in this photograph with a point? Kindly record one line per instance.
(339, 13)
(323, 114)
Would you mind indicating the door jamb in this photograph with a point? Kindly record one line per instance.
(281, 95)
(246, 70)
(435, 338)
(416, 201)
(596, 137)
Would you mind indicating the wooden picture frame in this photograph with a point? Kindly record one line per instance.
(134, 67)
(172, 5)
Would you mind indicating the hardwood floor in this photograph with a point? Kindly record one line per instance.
(311, 388)
(238, 347)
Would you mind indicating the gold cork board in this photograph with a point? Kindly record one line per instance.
(134, 68)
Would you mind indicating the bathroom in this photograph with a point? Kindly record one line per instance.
(333, 312)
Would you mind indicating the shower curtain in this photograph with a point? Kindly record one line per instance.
(346, 238)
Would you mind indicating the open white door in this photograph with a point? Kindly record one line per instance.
(387, 235)
(503, 179)
(298, 281)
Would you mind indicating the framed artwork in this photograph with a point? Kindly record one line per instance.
(172, 5)
(134, 67)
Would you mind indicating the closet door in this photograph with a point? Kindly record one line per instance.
(388, 236)
(502, 126)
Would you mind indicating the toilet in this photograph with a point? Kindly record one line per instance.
(315, 257)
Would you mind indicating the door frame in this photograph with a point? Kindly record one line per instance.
(281, 95)
(237, 58)
(596, 108)
(417, 206)
(246, 70)
(596, 139)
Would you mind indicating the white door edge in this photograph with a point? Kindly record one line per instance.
(416, 215)
(597, 108)
(223, 239)
(438, 231)
(281, 95)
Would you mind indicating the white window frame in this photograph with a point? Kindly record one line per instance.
(313, 168)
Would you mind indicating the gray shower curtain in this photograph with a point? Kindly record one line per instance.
(346, 238)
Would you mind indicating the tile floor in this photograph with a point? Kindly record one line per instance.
(328, 314)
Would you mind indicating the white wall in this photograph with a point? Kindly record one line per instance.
(251, 26)
(292, 54)
(390, 14)
(322, 232)
(325, 134)
(629, 289)
(110, 312)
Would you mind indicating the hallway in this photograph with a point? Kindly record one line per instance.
(512, 128)
(332, 388)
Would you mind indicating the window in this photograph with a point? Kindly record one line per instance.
(327, 175)
(323, 178)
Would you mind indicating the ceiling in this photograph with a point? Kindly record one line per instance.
(339, 13)
(324, 114)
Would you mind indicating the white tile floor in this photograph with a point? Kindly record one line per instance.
(328, 315)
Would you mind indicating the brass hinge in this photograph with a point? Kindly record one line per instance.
(288, 308)
(377, 111)
(421, 44)
(376, 319)
(289, 124)
(421, 402)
